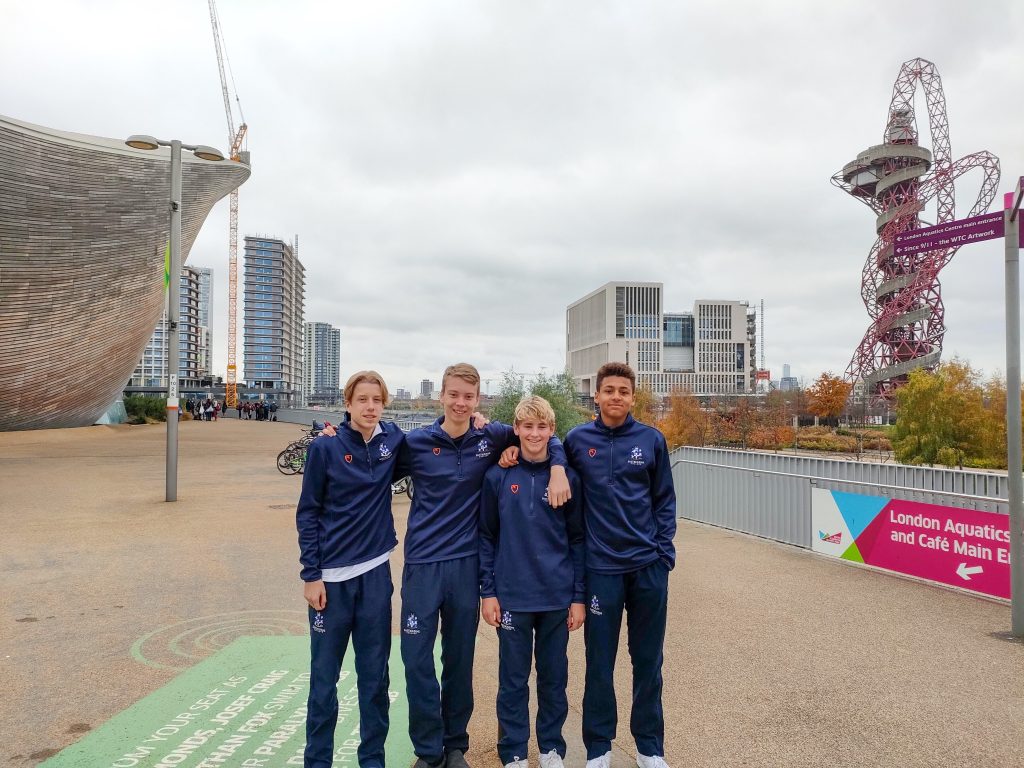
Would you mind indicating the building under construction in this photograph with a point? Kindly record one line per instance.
(897, 179)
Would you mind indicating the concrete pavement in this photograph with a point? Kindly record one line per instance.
(774, 657)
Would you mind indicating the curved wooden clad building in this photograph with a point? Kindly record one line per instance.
(84, 225)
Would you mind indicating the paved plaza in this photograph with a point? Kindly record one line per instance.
(137, 632)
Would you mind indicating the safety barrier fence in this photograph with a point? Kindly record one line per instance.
(769, 495)
(944, 525)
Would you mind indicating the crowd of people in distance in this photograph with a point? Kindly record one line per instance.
(204, 410)
(257, 409)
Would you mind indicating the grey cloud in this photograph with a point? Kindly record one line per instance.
(459, 172)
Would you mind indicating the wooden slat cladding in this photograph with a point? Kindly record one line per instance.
(84, 224)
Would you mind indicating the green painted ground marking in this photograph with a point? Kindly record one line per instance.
(244, 707)
(190, 632)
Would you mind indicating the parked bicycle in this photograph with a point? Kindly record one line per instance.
(292, 460)
(402, 485)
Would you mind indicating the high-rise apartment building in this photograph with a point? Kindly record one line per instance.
(710, 350)
(321, 365)
(426, 389)
(205, 335)
(152, 368)
(275, 290)
(788, 382)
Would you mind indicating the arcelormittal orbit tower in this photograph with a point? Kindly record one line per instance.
(896, 179)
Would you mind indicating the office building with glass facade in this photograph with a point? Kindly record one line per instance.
(710, 350)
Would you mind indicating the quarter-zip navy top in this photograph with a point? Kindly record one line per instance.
(629, 500)
(446, 486)
(531, 555)
(344, 511)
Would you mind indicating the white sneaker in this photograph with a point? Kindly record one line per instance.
(551, 760)
(643, 761)
(517, 763)
(604, 761)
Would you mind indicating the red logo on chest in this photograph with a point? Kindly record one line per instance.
(515, 488)
(348, 457)
(437, 451)
(592, 452)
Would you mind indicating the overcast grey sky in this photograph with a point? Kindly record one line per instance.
(458, 172)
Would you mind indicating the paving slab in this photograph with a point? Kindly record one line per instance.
(113, 600)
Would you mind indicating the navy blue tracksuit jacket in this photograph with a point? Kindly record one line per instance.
(344, 511)
(447, 479)
(629, 499)
(531, 555)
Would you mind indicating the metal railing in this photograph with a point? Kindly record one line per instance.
(769, 495)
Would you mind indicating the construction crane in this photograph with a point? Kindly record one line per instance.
(235, 139)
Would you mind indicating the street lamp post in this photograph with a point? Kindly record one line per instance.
(1015, 481)
(173, 292)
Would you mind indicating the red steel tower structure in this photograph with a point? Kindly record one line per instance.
(896, 179)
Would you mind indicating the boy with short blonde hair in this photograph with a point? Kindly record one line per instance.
(535, 408)
(532, 585)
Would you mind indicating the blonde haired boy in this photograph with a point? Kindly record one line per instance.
(532, 586)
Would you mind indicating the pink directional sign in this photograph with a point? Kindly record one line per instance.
(961, 547)
(952, 234)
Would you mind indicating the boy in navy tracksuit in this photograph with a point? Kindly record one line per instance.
(447, 461)
(346, 533)
(629, 511)
(531, 583)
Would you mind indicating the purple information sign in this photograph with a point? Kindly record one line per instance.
(988, 226)
(1020, 229)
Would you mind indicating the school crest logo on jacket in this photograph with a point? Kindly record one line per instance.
(437, 451)
(385, 452)
(412, 625)
(592, 452)
(636, 456)
(483, 450)
(514, 487)
(348, 457)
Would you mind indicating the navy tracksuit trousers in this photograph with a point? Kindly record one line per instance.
(644, 596)
(447, 590)
(518, 635)
(360, 608)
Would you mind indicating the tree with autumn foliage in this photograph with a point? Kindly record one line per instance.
(684, 422)
(772, 431)
(645, 404)
(826, 398)
(942, 418)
